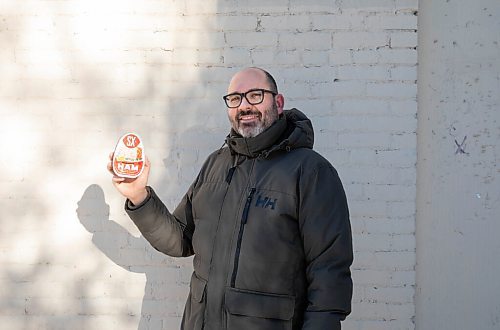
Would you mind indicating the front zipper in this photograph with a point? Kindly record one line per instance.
(244, 219)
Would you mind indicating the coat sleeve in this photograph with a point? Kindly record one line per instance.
(326, 235)
(166, 232)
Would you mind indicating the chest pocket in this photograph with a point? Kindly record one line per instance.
(269, 246)
(272, 215)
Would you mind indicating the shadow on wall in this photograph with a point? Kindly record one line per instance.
(134, 254)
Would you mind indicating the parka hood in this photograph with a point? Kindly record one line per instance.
(292, 130)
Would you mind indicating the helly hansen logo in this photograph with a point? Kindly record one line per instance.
(266, 202)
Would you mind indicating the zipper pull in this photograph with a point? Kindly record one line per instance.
(247, 206)
(230, 175)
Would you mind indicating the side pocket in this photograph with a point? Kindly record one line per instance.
(195, 306)
(256, 310)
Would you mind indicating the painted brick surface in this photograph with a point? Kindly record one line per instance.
(77, 74)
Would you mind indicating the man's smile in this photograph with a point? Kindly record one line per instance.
(247, 118)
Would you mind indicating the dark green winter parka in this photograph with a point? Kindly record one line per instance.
(268, 224)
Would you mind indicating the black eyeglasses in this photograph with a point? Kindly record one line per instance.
(253, 97)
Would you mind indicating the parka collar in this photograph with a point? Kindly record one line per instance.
(253, 147)
(292, 130)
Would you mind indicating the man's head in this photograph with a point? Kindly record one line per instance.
(253, 101)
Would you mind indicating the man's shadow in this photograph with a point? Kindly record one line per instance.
(162, 303)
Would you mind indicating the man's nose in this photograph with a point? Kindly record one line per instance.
(244, 103)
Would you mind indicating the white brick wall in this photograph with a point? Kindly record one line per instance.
(77, 74)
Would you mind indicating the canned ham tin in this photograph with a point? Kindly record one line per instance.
(129, 158)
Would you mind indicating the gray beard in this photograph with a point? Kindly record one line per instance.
(251, 131)
(248, 131)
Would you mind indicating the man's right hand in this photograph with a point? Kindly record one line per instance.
(133, 189)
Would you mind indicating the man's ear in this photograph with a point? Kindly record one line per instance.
(280, 102)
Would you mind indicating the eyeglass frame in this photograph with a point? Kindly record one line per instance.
(244, 95)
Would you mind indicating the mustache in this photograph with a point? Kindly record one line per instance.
(246, 113)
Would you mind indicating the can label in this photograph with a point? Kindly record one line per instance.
(129, 158)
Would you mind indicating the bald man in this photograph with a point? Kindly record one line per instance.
(266, 220)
